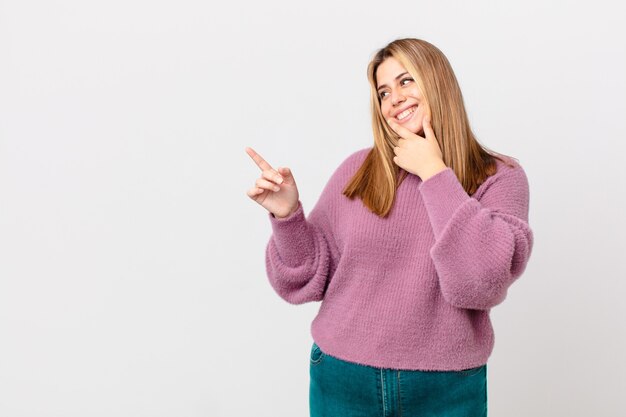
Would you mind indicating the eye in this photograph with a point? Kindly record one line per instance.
(381, 95)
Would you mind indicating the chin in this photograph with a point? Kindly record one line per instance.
(418, 131)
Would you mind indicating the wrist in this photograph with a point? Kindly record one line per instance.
(434, 170)
(289, 213)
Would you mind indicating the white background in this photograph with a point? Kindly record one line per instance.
(132, 275)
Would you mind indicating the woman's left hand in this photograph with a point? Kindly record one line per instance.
(418, 155)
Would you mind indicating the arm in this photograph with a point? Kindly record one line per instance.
(481, 245)
(300, 256)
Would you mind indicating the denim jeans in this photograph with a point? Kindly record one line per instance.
(346, 389)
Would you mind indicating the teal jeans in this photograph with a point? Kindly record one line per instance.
(346, 389)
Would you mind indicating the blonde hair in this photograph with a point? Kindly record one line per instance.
(378, 177)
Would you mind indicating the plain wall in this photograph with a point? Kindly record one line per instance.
(132, 273)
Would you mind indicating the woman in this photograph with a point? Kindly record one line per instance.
(409, 246)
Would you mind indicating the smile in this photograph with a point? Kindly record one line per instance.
(405, 114)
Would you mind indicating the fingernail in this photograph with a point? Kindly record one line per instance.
(279, 180)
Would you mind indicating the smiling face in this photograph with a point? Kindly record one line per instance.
(399, 92)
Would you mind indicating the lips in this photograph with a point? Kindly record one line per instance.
(409, 117)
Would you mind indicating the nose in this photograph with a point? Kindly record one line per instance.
(397, 98)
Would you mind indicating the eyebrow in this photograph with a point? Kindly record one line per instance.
(385, 85)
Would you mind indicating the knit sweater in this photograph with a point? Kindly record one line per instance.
(414, 290)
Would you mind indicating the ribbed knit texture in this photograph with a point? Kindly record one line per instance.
(414, 290)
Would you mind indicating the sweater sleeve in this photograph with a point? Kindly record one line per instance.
(481, 245)
(301, 255)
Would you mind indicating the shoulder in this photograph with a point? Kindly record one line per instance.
(512, 168)
(353, 161)
(510, 178)
(509, 168)
(358, 156)
(347, 168)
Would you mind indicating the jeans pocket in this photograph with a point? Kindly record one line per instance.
(316, 354)
(471, 371)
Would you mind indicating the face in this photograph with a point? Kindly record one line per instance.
(398, 91)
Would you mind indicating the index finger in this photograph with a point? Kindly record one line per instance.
(258, 160)
(402, 131)
(428, 128)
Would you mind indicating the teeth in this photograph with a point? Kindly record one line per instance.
(405, 113)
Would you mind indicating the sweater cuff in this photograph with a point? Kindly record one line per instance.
(291, 236)
(443, 194)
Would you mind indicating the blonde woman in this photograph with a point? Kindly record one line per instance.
(411, 243)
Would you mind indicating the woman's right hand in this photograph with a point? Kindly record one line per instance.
(275, 190)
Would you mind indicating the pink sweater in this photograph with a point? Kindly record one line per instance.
(412, 291)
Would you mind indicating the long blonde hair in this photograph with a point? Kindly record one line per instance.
(378, 177)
